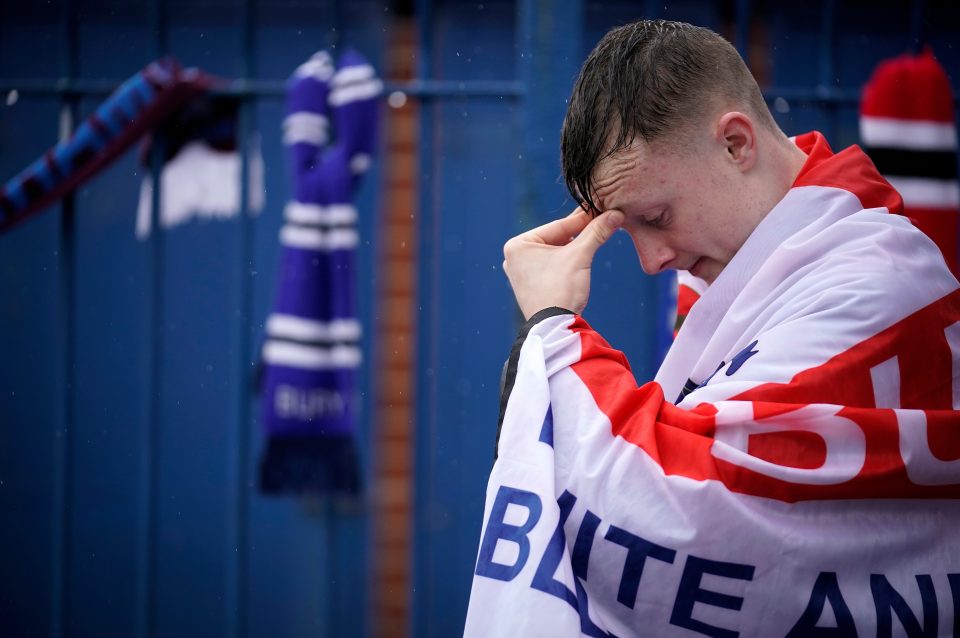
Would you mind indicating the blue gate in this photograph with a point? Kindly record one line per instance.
(128, 423)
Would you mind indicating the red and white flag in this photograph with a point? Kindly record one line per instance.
(794, 469)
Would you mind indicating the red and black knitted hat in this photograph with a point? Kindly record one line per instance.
(907, 127)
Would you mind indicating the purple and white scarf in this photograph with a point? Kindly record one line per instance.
(312, 350)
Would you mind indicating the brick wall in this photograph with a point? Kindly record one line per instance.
(395, 338)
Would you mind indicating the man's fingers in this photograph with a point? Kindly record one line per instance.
(598, 231)
(559, 231)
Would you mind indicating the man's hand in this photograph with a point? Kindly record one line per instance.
(550, 265)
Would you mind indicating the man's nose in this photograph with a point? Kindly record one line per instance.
(653, 252)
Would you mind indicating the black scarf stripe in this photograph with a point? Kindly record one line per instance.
(321, 225)
(913, 163)
(315, 343)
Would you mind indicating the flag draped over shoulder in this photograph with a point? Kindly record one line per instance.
(312, 350)
(792, 471)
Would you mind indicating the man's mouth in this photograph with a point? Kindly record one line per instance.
(694, 269)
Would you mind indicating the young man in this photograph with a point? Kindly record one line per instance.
(797, 450)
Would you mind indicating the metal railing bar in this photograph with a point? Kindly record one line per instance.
(248, 88)
(237, 559)
(422, 560)
(150, 447)
(742, 34)
(64, 436)
(822, 94)
(828, 69)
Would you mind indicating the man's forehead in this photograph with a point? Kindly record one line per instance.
(613, 169)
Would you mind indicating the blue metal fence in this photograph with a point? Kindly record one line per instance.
(128, 436)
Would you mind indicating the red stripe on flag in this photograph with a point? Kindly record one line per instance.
(804, 450)
(680, 441)
(923, 354)
(850, 170)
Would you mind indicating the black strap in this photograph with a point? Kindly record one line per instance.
(509, 375)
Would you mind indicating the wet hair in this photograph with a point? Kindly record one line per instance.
(646, 80)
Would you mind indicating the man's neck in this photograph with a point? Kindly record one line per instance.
(795, 160)
(785, 162)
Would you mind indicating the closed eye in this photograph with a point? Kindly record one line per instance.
(659, 221)
(656, 218)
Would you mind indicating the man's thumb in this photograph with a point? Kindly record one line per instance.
(599, 230)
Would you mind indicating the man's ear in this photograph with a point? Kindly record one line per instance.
(736, 132)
